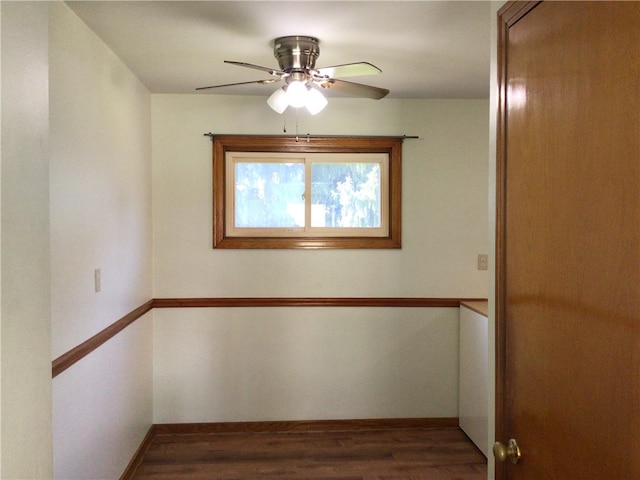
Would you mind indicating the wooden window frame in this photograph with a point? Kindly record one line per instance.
(278, 144)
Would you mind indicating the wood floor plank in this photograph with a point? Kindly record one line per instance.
(404, 454)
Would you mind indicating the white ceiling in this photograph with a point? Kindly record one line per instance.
(425, 49)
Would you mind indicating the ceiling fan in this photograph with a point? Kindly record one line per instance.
(297, 59)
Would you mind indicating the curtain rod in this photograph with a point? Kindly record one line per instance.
(308, 136)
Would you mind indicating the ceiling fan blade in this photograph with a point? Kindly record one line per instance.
(263, 82)
(270, 71)
(349, 70)
(355, 89)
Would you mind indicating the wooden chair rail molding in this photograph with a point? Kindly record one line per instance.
(67, 359)
(307, 302)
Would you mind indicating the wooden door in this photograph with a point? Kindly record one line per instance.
(568, 243)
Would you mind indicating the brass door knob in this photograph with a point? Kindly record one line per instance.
(510, 451)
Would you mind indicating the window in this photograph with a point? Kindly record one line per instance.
(268, 194)
(317, 192)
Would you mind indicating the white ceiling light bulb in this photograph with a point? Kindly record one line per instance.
(315, 101)
(278, 100)
(297, 94)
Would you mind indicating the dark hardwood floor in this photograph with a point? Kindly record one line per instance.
(397, 454)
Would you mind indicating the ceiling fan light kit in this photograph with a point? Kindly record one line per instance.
(296, 57)
(297, 95)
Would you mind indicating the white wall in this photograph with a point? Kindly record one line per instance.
(26, 333)
(444, 202)
(100, 131)
(297, 364)
(444, 228)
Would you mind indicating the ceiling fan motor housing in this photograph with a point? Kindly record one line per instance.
(296, 53)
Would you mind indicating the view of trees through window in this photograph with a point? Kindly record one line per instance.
(272, 194)
(267, 195)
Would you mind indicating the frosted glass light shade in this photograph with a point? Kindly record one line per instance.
(297, 94)
(315, 101)
(278, 100)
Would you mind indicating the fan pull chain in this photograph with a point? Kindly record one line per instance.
(284, 127)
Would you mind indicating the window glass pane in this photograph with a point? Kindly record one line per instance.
(269, 195)
(345, 195)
